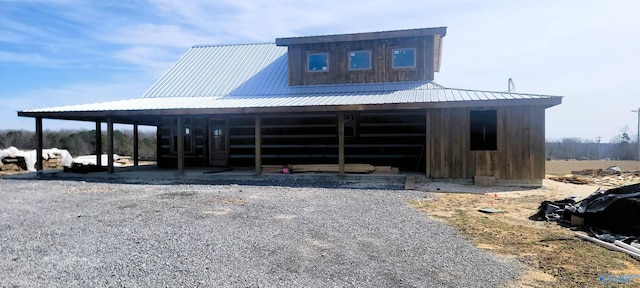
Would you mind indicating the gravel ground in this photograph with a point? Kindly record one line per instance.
(79, 234)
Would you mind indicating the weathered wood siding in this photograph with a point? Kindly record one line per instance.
(519, 156)
(435, 141)
(381, 62)
(196, 152)
(378, 138)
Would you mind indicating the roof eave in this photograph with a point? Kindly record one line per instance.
(128, 114)
(442, 31)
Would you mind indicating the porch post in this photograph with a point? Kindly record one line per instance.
(110, 148)
(98, 144)
(427, 145)
(135, 145)
(341, 169)
(258, 144)
(39, 146)
(180, 144)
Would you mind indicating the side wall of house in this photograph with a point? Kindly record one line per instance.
(433, 140)
(380, 138)
(381, 62)
(519, 157)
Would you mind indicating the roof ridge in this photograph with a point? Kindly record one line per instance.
(501, 92)
(227, 45)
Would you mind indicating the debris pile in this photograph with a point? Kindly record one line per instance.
(13, 159)
(88, 163)
(570, 179)
(611, 176)
(104, 160)
(611, 216)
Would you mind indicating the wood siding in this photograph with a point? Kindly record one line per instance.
(435, 141)
(378, 138)
(195, 154)
(519, 156)
(381, 62)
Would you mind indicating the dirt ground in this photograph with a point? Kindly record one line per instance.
(561, 167)
(551, 254)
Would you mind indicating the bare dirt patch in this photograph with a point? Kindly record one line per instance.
(552, 255)
(561, 167)
(563, 171)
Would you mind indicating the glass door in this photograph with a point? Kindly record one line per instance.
(218, 142)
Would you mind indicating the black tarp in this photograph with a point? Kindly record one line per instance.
(615, 210)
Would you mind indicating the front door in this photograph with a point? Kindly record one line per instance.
(218, 142)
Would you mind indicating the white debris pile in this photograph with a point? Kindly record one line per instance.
(91, 160)
(53, 157)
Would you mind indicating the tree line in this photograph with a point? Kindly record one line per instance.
(583, 149)
(82, 142)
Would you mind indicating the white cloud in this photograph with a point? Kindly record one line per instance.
(171, 36)
(25, 58)
(149, 57)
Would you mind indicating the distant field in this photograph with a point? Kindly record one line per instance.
(560, 167)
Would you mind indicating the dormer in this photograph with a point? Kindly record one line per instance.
(389, 56)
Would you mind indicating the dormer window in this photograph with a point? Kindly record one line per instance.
(404, 58)
(360, 60)
(375, 57)
(317, 62)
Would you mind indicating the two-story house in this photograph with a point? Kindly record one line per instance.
(350, 98)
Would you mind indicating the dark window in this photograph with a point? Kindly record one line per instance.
(484, 130)
(317, 62)
(360, 60)
(404, 58)
(187, 135)
(349, 125)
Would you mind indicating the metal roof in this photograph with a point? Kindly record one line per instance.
(255, 75)
(206, 71)
(419, 32)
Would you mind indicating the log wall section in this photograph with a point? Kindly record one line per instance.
(392, 138)
(196, 151)
(381, 62)
(371, 137)
(519, 156)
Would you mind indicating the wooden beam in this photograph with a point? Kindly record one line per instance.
(110, 148)
(427, 146)
(39, 146)
(180, 144)
(258, 144)
(135, 145)
(98, 151)
(341, 170)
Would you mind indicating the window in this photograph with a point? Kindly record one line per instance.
(218, 141)
(484, 130)
(360, 60)
(187, 135)
(349, 125)
(404, 58)
(317, 62)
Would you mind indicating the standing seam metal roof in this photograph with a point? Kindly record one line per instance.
(255, 75)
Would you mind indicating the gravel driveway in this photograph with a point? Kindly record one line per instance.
(77, 234)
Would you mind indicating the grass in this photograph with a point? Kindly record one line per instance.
(552, 255)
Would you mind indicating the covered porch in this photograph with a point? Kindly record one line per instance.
(210, 143)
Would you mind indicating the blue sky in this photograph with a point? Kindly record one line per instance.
(64, 52)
